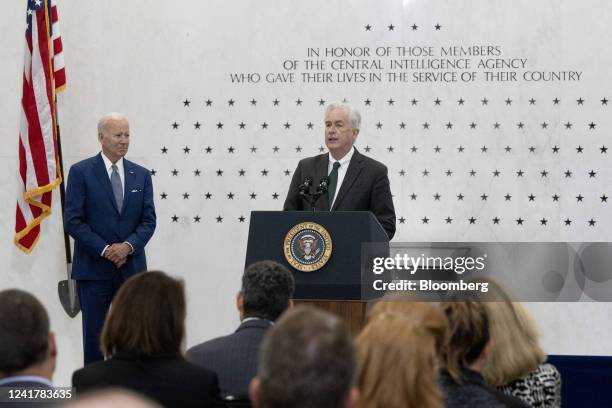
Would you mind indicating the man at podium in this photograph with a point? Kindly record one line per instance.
(350, 180)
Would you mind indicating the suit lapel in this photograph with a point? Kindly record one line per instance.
(102, 175)
(354, 168)
(128, 169)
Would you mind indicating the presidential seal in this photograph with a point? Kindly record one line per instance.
(307, 246)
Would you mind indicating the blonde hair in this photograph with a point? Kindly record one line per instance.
(517, 351)
(398, 360)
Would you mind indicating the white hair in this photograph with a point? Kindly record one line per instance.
(353, 114)
(109, 117)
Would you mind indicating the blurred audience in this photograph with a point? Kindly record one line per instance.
(466, 353)
(112, 397)
(398, 353)
(27, 346)
(516, 365)
(267, 288)
(307, 361)
(141, 339)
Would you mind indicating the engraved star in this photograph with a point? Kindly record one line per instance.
(264, 125)
(568, 125)
(532, 101)
(413, 197)
(309, 125)
(484, 197)
(496, 173)
(186, 102)
(484, 101)
(496, 125)
(275, 196)
(604, 198)
(321, 102)
(219, 125)
(472, 220)
(209, 102)
(604, 101)
(437, 102)
(287, 172)
(520, 173)
(460, 197)
(241, 218)
(543, 173)
(508, 101)
(437, 149)
(484, 149)
(532, 149)
(367, 102)
(275, 102)
(174, 218)
(592, 174)
(449, 126)
(436, 197)
(186, 196)
(414, 101)
(460, 149)
(298, 102)
(219, 218)
(164, 196)
(414, 27)
(175, 125)
(164, 150)
(368, 27)
(579, 149)
(425, 125)
(253, 196)
(425, 220)
(507, 149)
(287, 125)
(555, 198)
(520, 125)
(448, 220)
(230, 102)
(196, 218)
(242, 125)
(275, 149)
(438, 27)
(531, 197)
(197, 125)
(567, 221)
(579, 198)
(472, 125)
(556, 101)
(379, 126)
(253, 149)
(241, 172)
(253, 102)
(196, 172)
(391, 102)
(414, 149)
(592, 222)
(555, 149)
(544, 125)
(592, 126)
(208, 195)
(390, 149)
(519, 221)
(472, 173)
(401, 220)
(568, 174)
(186, 149)
(448, 173)
(230, 196)
(508, 197)
(603, 149)
(543, 221)
(580, 101)
(208, 149)
(219, 172)
(461, 101)
(264, 172)
(298, 149)
(425, 173)
(496, 220)
(175, 172)
(153, 172)
(402, 125)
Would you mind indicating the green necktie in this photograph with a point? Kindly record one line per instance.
(333, 181)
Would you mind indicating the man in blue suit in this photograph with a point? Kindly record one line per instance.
(111, 216)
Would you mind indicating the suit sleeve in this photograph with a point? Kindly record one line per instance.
(381, 203)
(293, 202)
(74, 215)
(144, 231)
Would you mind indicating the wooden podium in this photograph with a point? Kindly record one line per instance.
(336, 286)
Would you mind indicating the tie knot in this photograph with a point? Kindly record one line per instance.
(336, 165)
(114, 167)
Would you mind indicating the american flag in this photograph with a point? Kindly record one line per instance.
(43, 76)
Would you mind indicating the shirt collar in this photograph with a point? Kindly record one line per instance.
(108, 163)
(343, 161)
(25, 378)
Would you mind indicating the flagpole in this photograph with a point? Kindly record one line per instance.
(66, 288)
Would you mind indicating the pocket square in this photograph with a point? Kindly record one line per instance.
(135, 191)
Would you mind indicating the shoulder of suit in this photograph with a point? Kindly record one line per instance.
(90, 161)
(133, 166)
(313, 159)
(370, 162)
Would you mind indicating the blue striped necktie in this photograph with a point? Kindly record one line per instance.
(117, 187)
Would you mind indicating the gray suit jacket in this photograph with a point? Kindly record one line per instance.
(365, 188)
(233, 357)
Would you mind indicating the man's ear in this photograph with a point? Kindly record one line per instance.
(240, 303)
(52, 345)
(353, 398)
(254, 392)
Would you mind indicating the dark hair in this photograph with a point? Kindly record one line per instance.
(147, 316)
(468, 334)
(24, 331)
(267, 287)
(307, 360)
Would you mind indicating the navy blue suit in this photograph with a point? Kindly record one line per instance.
(92, 218)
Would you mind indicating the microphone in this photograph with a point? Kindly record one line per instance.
(323, 185)
(305, 186)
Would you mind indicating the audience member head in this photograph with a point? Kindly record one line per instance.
(27, 347)
(267, 288)
(307, 361)
(517, 351)
(398, 356)
(147, 316)
(423, 314)
(469, 343)
(112, 397)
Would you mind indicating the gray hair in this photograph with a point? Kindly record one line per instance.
(107, 118)
(353, 114)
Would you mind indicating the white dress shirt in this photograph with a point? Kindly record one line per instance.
(344, 163)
